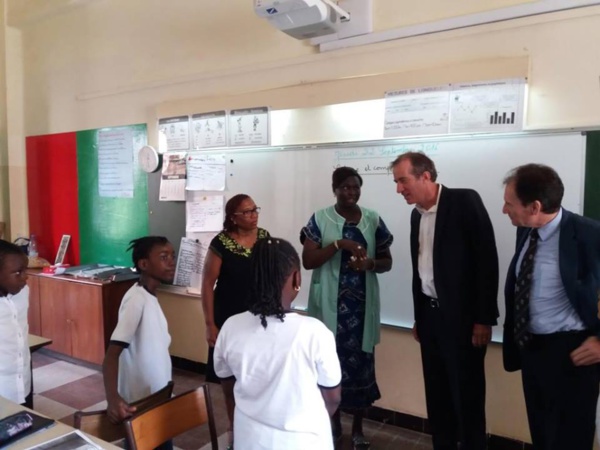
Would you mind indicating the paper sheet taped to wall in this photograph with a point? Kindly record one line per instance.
(206, 172)
(190, 263)
(204, 214)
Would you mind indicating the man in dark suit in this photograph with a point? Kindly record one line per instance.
(551, 328)
(455, 291)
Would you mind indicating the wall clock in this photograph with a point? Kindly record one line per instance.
(149, 159)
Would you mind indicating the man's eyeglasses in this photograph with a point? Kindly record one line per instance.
(248, 212)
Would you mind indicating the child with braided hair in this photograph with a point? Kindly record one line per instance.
(137, 362)
(279, 370)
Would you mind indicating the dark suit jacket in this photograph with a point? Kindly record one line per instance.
(579, 263)
(465, 262)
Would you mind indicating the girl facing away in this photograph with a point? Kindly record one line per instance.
(279, 370)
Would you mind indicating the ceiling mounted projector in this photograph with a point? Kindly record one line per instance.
(302, 19)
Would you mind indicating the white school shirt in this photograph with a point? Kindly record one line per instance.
(144, 364)
(426, 238)
(278, 371)
(15, 359)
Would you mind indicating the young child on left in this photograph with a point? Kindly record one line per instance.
(137, 361)
(15, 359)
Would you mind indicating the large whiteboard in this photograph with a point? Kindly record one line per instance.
(290, 184)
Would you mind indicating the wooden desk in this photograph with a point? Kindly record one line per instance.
(59, 429)
(77, 314)
(37, 342)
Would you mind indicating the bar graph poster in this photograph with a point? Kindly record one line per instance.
(488, 106)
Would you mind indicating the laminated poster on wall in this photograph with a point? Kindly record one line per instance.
(206, 172)
(115, 162)
(173, 176)
(416, 112)
(209, 129)
(487, 106)
(204, 214)
(249, 127)
(174, 133)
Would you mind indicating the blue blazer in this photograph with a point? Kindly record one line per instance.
(579, 262)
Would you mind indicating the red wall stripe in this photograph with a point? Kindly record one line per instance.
(52, 187)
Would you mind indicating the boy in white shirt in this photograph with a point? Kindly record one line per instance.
(15, 359)
(137, 361)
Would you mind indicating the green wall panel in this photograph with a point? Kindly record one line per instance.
(591, 205)
(107, 224)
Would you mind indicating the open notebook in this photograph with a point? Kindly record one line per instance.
(21, 424)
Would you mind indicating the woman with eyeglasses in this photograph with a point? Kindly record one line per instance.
(226, 278)
(346, 245)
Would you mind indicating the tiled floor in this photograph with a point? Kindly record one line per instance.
(61, 388)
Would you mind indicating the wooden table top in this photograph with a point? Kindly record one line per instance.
(37, 342)
(58, 429)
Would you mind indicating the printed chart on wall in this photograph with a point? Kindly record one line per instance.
(249, 127)
(209, 129)
(480, 107)
(174, 133)
(419, 111)
(494, 106)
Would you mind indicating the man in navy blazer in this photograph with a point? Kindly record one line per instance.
(455, 294)
(560, 353)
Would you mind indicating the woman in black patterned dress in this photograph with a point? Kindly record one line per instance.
(226, 278)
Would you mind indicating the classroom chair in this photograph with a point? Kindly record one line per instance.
(149, 429)
(97, 423)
